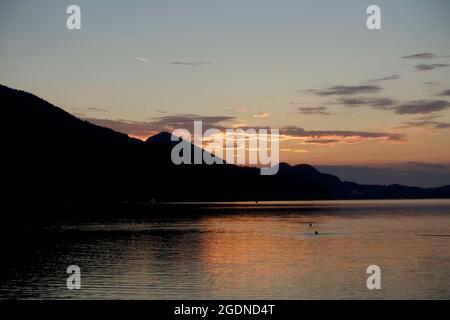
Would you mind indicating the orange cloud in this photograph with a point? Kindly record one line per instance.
(262, 115)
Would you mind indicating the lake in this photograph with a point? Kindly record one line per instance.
(264, 250)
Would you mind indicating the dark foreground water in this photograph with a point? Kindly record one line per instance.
(240, 251)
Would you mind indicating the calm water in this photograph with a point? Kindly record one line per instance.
(241, 251)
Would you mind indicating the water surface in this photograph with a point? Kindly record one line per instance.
(240, 251)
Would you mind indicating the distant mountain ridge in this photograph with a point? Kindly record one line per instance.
(50, 155)
(427, 175)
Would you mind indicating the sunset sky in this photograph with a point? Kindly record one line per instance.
(345, 94)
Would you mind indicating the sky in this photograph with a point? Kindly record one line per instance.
(341, 95)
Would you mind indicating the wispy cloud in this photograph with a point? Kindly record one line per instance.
(94, 109)
(191, 63)
(402, 108)
(331, 137)
(430, 66)
(186, 121)
(295, 150)
(81, 112)
(133, 128)
(142, 59)
(429, 117)
(436, 125)
(424, 55)
(391, 77)
(288, 134)
(262, 114)
(321, 141)
(314, 111)
(239, 110)
(445, 93)
(422, 107)
(426, 66)
(143, 130)
(344, 90)
(378, 103)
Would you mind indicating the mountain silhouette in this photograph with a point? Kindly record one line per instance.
(49, 156)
